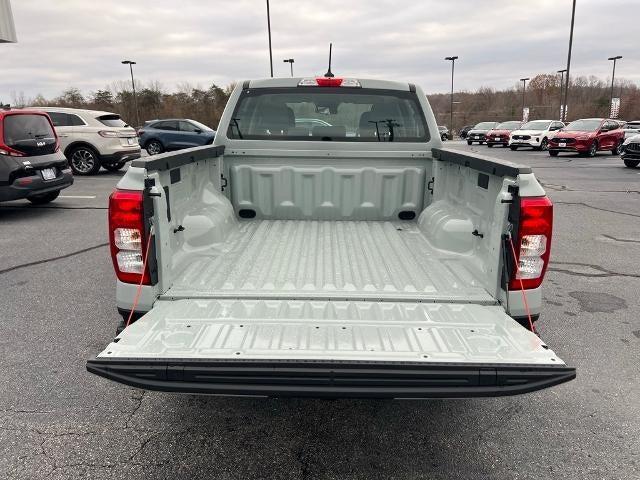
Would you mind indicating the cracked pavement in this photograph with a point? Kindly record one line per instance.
(59, 422)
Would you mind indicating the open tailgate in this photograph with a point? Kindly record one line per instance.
(330, 349)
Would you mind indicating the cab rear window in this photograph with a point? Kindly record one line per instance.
(328, 114)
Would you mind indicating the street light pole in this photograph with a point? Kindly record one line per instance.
(290, 61)
(269, 30)
(133, 86)
(561, 72)
(453, 65)
(524, 89)
(613, 75)
(566, 81)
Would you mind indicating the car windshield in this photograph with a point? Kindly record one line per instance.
(330, 114)
(18, 128)
(536, 125)
(485, 126)
(583, 126)
(112, 121)
(508, 126)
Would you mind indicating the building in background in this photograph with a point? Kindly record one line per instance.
(7, 28)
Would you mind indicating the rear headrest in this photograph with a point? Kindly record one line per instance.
(334, 132)
(277, 116)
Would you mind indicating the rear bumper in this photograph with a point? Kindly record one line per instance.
(25, 187)
(121, 156)
(345, 379)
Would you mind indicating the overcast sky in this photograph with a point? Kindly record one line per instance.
(80, 43)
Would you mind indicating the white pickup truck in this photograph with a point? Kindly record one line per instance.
(350, 257)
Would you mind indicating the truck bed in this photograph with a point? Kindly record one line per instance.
(350, 260)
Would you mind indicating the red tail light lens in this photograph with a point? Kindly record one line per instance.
(533, 242)
(127, 236)
(12, 152)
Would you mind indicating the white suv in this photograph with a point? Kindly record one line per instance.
(91, 139)
(534, 134)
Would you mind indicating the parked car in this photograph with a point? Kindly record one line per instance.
(91, 139)
(479, 132)
(31, 163)
(444, 132)
(534, 134)
(500, 134)
(370, 266)
(157, 136)
(464, 131)
(587, 137)
(635, 124)
(631, 151)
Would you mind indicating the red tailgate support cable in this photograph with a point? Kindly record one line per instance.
(139, 289)
(522, 289)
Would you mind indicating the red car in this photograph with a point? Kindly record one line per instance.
(587, 137)
(500, 134)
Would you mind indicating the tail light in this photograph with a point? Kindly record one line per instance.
(127, 236)
(533, 242)
(12, 152)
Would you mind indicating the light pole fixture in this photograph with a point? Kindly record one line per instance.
(561, 72)
(566, 80)
(613, 75)
(290, 61)
(453, 64)
(133, 86)
(269, 30)
(524, 89)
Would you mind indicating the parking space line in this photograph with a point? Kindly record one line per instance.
(77, 196)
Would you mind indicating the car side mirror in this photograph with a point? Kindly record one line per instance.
(197, 130)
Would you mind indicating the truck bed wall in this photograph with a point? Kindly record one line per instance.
(304, 187)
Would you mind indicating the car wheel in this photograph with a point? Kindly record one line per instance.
(44, 198)
(631, 163)
(154, 147)
(490, 145)
(513, 147)
(618, 149)
(553, 153)
(469, 142)
(114, 167)
(593, 149)
(544, 145)
(84, 161)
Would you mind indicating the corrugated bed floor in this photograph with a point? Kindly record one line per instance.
(328, 260)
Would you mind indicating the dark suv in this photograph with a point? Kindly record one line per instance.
(31, 163)
(158, 136)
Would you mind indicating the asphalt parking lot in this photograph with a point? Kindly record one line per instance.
(57, 421)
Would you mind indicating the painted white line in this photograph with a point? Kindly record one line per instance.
(77, 196)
